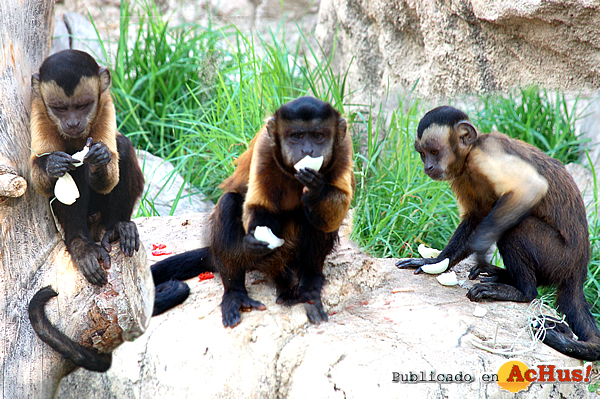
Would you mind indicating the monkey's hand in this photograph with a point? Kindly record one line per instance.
(493, 274)
(98, 156)
(313, 181)
(127, 232)
(59, 163)
(87, 255)
(256, 247)
(417, 263)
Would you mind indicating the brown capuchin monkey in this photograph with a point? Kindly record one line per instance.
(512, 194)
(303, 206)
(72, 108)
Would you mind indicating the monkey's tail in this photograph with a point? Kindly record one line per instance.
(168, 275)
(82, 356)
(560, 337)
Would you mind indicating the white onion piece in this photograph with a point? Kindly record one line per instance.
(436, 268)
(66, 190)
(479, 311)
(80, 155)
(427, 252)
(263, 233)
(447, 279)
(310, 163)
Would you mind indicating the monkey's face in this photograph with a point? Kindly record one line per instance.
(72, 114)
(301, 138)
(437, 151)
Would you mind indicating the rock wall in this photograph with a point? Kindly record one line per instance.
(444, 48)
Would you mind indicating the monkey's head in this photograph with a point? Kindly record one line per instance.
(444, 139)
(70, 84)
(306, 126)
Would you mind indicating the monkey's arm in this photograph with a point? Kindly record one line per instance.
(104, 167)
(326, 204)
(456, 250)
(519, 188)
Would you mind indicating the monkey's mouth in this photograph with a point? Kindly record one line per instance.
(435, 175)
(73, 133)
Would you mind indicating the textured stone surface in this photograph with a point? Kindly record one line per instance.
(381, 320)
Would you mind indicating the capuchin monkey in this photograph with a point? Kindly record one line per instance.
(72, 108)
(303, 207)
(512, 194)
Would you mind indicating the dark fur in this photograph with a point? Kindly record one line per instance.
(110, 180)
(265, 190)
(544, 244)
(82, 356)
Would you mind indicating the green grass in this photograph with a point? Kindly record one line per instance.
(196, 95)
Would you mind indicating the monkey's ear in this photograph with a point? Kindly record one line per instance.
(342, 128)
(105, 79)
(467, 133)
(272, 127)
(35, 84)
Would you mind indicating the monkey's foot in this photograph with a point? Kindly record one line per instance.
(87, 255)
(315, 312)
(128, 234)
(233, 302)
(497, 292)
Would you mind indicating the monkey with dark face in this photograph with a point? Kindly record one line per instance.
(72, 105)
(303, 207)
(513, 194)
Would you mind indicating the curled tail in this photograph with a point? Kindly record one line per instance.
(577, 312)
(82, 356)
(167, 275)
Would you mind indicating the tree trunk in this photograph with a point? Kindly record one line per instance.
(32, 253)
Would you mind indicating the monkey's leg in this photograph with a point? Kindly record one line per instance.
(117, 206)
(314, 245)
(73, 218)
(522, 258)
(230, 258)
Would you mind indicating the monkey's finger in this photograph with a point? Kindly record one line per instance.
(93, 272)
(249, 303)
(315, 313)
(89, 142)
(104, 257)
(106, 242)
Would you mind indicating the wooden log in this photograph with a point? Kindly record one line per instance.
(32, 252)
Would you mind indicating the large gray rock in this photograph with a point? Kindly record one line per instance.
(462, 46)
(382, 320)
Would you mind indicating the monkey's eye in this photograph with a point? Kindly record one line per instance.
(59, 109)
(297, 136)
(83, 106)
(434, 152)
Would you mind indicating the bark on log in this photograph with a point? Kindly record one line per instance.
(32, 253)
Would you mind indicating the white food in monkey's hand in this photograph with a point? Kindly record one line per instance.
(80, 155)
(263, 233)
(436, 268)
(310, 163)
(447, 279)
(66, 190)
(427, 252)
